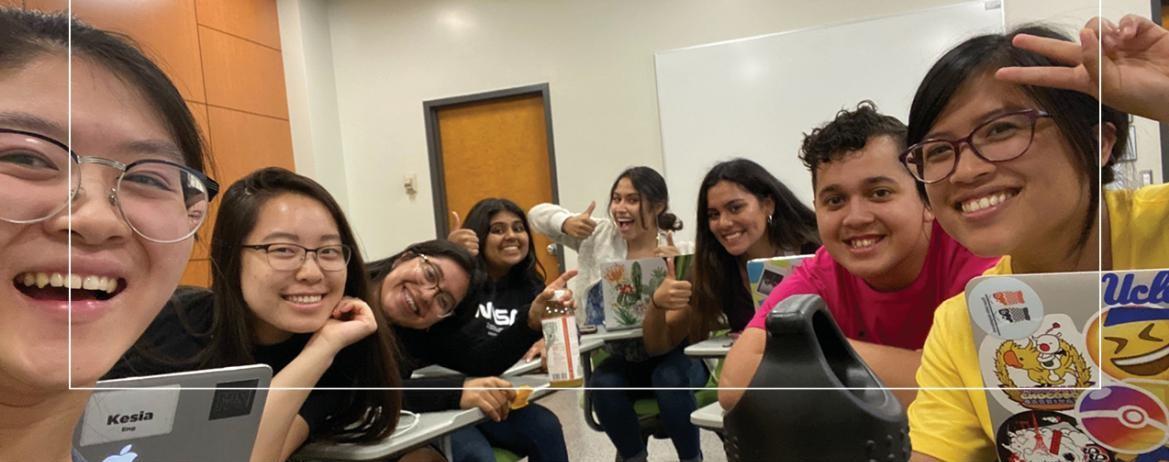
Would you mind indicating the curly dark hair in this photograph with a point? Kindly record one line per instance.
(848, 132)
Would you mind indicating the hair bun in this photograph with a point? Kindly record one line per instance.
(669, 222)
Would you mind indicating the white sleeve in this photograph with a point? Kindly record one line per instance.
(548, 219)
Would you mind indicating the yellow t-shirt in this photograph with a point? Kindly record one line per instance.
(954, 425)
(1140, 227)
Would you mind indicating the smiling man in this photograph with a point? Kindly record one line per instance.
(884, 266)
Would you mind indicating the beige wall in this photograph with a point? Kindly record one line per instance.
(1071, 15)
(597, 56)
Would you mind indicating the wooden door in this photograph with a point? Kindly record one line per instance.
(493, 145)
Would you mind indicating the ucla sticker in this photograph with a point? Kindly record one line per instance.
(1004, 307)
(1046, 371)
(1043, 436)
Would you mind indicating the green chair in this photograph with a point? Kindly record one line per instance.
(503, 455)
(646, 409)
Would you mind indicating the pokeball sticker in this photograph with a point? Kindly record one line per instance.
(1005, 307)
(1045, 436)
(1124, 419)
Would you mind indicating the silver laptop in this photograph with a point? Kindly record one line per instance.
(1076, 365)
(197, 416)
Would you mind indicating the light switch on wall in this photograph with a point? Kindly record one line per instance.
(410, 182)
(1146, 177)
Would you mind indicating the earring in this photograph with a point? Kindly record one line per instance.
(769, 219)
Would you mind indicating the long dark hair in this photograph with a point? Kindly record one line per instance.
(378, 270)
(366, 415)
(652, 188)
(718, 286)
(27, 35)
(1074, 113)
(529, 270)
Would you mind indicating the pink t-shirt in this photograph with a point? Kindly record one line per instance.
(899, 318)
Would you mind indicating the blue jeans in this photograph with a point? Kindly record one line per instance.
(614, 408)
(533, 431)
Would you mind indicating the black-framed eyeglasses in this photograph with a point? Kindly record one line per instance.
(1000, 139)
(284, 256)
(160, 200)
(432, 280)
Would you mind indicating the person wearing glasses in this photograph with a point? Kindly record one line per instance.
(106, 221)
(287, 290)
(421, 292)
(1007, 142)
(885, 264)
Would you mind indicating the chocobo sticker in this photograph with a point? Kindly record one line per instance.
(1045, 371)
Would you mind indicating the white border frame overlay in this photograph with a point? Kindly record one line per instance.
(70, 325)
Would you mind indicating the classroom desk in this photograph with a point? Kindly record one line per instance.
(714, 347)
(589, 344)
(605, 335)
(431, 426)
(521, 367)
(709, 417)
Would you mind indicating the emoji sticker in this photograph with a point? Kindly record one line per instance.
(1135, 342)
(1004, 307)
(1046, 371)
(1124, 419)
(1043, 436)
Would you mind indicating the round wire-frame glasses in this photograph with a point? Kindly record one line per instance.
(160, 200)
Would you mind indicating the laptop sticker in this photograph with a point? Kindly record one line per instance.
(628, 286)
(233, 403)
(1125, 419)
(1005, 307)
(1135, 342)
(1044, 436)
(126, 414)
(1039, 372)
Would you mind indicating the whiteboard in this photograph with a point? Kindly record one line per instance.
(756, 97)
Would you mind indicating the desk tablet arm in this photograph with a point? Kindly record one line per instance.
(823, 421)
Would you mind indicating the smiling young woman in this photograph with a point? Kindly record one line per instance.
(138, 194)
(1007, 143)
(288, 290)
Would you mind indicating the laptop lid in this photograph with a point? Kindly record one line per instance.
(765, 274)
(196, 416)
(1076, 365)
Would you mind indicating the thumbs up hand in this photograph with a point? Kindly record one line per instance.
(672, 294)
(668, 250)
(581, 226)
(464, 237)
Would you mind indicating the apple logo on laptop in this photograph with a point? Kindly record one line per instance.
(125, 456)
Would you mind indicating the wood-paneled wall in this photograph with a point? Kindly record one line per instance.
(225, 58)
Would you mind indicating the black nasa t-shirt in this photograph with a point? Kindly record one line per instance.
(501, 303)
